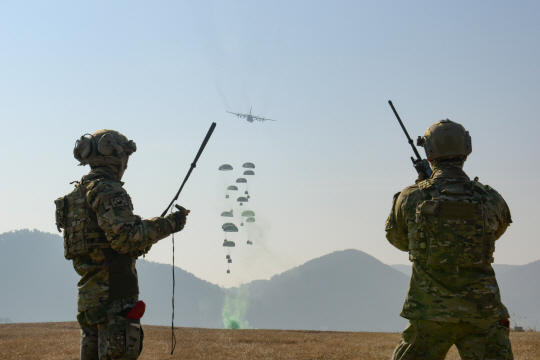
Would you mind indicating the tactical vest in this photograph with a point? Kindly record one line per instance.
(451, 226)
(81, 231)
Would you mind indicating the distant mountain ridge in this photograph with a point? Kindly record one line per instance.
(39, 285)
(346, 290)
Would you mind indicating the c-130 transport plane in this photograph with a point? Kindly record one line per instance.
(250, 117)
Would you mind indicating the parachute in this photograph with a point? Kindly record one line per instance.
(249, 172)
(242, 199)
(227, 214)
(225, 167)
(242, 181)
(250, 220)
(230, 188)
(248, 165)
(229, 227)
(247, 213)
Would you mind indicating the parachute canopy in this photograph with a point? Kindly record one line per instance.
(242, 199)
(229, 227)
(227, 214)
(250, 220)
(249, 172)
(248, 165)
(232, 187)
(248, 213)
(227, 243)
(241, 181)
(225, 167)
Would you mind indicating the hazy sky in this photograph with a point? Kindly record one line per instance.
(326, 171)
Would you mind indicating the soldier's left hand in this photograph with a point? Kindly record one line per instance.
(178, 218)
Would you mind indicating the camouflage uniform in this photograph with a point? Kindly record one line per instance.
(449, 225)
(104, 238)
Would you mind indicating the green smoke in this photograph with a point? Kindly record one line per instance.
(234, 310)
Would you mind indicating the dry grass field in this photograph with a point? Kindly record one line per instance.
(60, 341)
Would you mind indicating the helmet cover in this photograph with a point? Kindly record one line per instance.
(445, 139)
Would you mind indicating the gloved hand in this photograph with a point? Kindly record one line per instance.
(178, 219)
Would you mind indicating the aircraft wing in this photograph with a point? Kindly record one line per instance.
(240, 115)
(261, 118)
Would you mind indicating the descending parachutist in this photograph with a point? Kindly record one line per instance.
(227, 214)
(225, 167)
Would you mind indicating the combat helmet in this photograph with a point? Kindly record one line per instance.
(445, 139)
(104, 147)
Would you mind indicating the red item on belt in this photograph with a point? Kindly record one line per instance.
(138, 311)
(505, 323)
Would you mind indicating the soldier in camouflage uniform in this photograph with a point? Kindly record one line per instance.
(449, 225)
(104, 238)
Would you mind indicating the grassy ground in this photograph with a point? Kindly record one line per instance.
(60, 341)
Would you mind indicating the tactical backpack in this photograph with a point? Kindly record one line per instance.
(451, 226)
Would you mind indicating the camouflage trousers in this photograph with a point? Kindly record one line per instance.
(423, 339)
(107, 334)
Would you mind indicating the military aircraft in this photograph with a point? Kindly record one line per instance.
(250, 117)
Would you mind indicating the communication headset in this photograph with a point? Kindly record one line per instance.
(106, 146)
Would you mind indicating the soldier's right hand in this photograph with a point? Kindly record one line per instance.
(178, 218)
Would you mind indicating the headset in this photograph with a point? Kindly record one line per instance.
(109, 145)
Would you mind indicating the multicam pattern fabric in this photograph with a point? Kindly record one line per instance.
(105, 334)
(106, 214)
(451, 246)
(423, 339)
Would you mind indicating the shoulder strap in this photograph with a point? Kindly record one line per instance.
(479, 190)
(429, 189)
